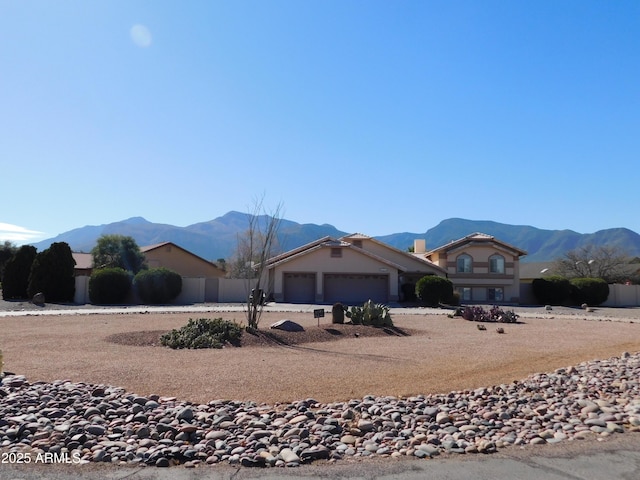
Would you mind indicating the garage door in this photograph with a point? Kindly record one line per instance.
(351, 289)
(300, 287)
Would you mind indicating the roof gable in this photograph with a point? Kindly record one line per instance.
(396, 251)
(150, 248)
(324, 243)
(477, 239)
(84, 261)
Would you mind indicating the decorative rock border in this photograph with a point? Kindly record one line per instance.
(81, 423)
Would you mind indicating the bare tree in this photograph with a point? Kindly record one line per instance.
(255, 247)
(606, 262)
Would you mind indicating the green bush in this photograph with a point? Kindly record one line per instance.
(373, 314)
(203, 333)
(15, 281)
(592, 291)
(52, 273)
(113, 251)
(109, 286)
(433, 290)
(554, 290)
(157, 285)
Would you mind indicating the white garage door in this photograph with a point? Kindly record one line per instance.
(300, 287)
(352, 289)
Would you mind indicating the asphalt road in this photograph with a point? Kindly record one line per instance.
(617, 458)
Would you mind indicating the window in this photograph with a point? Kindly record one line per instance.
(496, 264)
(495, 294)
(357, 243)
(464, 264)
(336, 252)
(465, 293)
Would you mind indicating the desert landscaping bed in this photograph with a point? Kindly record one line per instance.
(101, 389)
(438, 355)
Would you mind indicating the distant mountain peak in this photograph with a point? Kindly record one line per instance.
(135, 221)
(218, 238)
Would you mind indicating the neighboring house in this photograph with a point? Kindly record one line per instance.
(187, 264)
(481, 268)
(531, 270)
(351, 269)
(84, 263)
(167, 255)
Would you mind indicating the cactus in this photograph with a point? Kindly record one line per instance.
(374, 314)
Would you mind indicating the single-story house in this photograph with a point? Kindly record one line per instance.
(481, 267)
(84, 264)
(351, 269)
(167, 255)
(187, 264)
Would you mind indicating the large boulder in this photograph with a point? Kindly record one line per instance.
(38, 299)
(287, 326)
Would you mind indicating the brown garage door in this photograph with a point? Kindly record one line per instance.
(300, 287)
(351, 288)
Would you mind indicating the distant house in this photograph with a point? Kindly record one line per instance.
(187, 264)
(167, 255)
(481, 268)
(351, 269)
(84, 263)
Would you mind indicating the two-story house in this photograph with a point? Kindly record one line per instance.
(481, 267)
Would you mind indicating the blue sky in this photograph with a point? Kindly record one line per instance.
(374, 116)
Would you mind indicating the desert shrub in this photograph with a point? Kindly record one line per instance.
(158, 285)
(475, 314)
(15, 281)
(433, 290)
(52, 273)
(592, 291)
(496, 314)
(554, 290)
(109, 286)
(373, 314)
(203, 333)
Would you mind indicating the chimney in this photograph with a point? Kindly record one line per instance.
(419, 246)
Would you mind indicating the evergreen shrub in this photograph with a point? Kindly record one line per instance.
(592, 291)
(433, 290)
(15, 281)
(554, 290)
(109, 286)
(157, 285)
(52, 273)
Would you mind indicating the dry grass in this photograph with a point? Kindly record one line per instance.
(439, 355)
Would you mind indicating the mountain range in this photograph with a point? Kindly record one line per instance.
(218, 238)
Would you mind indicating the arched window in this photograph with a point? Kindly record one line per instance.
(496, 264)
(464, 264)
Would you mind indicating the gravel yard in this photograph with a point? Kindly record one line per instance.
(98, 387)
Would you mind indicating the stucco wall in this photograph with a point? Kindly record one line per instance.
(321, 262)
(182, 262)
(480, 279)
(235, 291)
